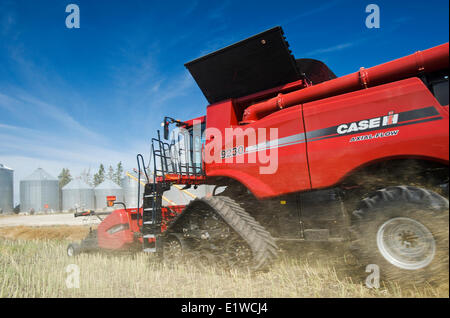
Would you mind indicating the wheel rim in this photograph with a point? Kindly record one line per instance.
(173, 249)
(70, 251)
(406, 243)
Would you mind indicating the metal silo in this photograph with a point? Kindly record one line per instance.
(6, 189)
(39, 192)
(107, 188)
(77, 195)
(130, 189)
(180, 197)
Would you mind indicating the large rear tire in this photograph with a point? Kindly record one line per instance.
(403, 230)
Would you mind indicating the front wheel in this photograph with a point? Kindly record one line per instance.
(73, 249)
(403, 230)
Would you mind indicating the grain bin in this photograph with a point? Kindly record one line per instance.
(180, 197)
(6, 189)
(39, 192)
(107, 188)
(130, 189)
(78, 195)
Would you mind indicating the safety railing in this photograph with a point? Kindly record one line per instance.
(177, 161)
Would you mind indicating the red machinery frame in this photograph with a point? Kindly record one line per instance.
(117, 230)
(307, 120)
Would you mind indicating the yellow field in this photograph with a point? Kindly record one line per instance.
(35, 266)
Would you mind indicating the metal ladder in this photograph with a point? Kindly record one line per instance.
(166, 160)
(152, 217)
(152, 204)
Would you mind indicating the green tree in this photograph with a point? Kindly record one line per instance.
(64, 177)
(111, 174)
(86, 176)
(99, 177)
(118, 174)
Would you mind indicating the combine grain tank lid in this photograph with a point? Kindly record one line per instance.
(258, 63)
(315, 71)
(40, 174)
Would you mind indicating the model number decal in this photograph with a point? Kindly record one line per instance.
(232, 152)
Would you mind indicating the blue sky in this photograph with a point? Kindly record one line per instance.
(78, 97)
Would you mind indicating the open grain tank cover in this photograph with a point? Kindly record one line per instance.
(260, 62)
(315, 70)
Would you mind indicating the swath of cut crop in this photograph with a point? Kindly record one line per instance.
(44, 233)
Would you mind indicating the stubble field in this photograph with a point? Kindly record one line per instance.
(33, 263)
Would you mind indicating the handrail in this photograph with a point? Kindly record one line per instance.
(164, 198)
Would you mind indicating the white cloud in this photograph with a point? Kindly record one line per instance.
(58, 114)
(193, 5)
(219, 11)
(7, 20)
(330, 49)
(323, 7)
(25, 149)
(37, 132)
(174, 88)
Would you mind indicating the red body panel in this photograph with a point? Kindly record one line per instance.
(329, 130)
(292, 172)
(118, 240)
(324, 157)
(427, 139)
(430, 60)
(117, 230)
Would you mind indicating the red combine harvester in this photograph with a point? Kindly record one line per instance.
(301, 155)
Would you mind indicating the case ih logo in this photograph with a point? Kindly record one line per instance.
(389, 119)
